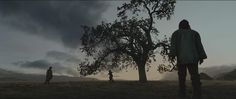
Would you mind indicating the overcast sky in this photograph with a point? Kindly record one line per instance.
(36, 34)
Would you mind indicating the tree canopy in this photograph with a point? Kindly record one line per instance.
(129, 41)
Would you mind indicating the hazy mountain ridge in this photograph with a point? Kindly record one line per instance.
(217, 71)
(6, 75)
(223, 72)
(205, 76)
(214, 72)
(228, 76)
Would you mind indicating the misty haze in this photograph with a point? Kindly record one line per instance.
(120, 49)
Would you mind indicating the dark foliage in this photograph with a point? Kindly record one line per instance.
(129, 41)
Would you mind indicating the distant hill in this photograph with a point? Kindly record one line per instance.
(5, 72)
(6, 75)
(204, 76)
(213, 72)
(174, 76)
(217, 71)
(228, 76)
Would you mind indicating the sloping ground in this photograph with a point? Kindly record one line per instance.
(117, 90)
(5, 72)
(204, 76)
(10, 76)
(228, 76)
(217, 71)
(174, 76)
(224, 72)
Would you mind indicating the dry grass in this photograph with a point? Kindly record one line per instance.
(106, 90)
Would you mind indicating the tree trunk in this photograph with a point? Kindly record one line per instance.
(142, 72)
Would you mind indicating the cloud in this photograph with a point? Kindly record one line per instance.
(39, 64)
(52, 19)
(58, 68)
(62, 56)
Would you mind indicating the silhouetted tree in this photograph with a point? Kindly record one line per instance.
(128, 41)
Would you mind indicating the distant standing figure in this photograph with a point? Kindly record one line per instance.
(48, 75)
(110, 76)
(186, 45)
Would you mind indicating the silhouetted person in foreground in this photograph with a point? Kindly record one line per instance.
(186, 45)
(48, 75)
(110, 76)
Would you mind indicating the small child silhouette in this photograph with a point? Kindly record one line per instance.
(110, 76)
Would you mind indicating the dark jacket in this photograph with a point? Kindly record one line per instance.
(186, 45)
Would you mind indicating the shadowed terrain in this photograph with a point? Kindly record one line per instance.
(11, 76)
(106, 90)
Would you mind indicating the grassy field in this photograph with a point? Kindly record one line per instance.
(116, 90)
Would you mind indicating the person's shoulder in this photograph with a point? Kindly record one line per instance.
(193, 31)
(175, 32)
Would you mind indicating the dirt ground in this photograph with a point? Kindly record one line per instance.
(116, 90)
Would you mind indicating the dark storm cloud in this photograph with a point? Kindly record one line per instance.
(52, 19)
(44, 65)
(39, 64)
(62, 56)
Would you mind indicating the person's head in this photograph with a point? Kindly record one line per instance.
(184, 24)
(50, 67)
